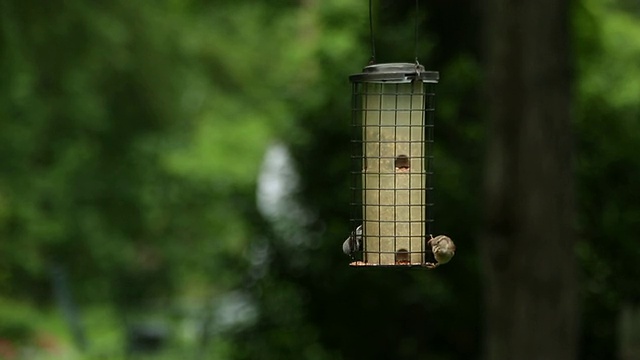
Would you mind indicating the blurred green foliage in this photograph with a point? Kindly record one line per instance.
(132, 135)
(607, 138)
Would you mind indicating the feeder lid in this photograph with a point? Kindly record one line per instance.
(395, 72)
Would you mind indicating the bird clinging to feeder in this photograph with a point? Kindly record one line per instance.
(443, 250)
(353, 242)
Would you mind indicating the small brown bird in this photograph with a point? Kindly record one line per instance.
(443, 250)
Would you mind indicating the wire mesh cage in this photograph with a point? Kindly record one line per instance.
(392, 154)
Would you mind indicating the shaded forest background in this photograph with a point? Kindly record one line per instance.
(174, 180)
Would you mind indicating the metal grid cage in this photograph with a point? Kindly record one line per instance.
(391, 163)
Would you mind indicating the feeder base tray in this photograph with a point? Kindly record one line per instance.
(398, 264)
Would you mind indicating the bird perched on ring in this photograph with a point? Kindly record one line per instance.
(443, 250)
(353, 242)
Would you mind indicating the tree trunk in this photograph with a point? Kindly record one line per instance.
(527, 250)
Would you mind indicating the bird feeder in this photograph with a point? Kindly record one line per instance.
(392, 155)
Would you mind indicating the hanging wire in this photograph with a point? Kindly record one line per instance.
(373, 43)
(415, 35)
